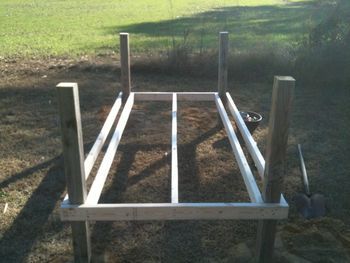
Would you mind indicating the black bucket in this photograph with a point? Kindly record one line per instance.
(251, 120)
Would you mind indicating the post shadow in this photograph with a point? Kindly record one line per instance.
(18, 240)
(173, 230)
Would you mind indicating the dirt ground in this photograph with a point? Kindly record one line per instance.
(32, 179)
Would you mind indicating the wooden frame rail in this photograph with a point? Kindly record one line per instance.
(267, 205)
(174, 168)
(92, 210)
(174, 211)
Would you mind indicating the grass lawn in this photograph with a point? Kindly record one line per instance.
(72, 28)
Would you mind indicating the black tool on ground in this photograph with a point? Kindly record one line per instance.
(251, 120)
(309, 205)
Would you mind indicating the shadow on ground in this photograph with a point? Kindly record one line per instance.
(250, 27)
(31, 230)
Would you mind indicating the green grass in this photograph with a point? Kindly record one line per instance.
(72, 28)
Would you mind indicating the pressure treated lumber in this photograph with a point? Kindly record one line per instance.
(125, 65)
(101, 176)
(282, 97)
(223, 65)
(73, 155)
(250, 143)
(169, 211)
(243, 165)
(247, 137)
(102, 136)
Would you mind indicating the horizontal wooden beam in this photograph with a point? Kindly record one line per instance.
(249, 180)
(101, 176)
(180, 211)
(174, 164)
(101, 138)
(168, 96)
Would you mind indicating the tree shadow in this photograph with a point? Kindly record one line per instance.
(29, 134)
(249, 26)
(173, 231)
(18, 240)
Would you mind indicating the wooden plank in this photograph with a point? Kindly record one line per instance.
(223, 65)
(125, 65)
(180, 211)
(101, 176)
(252, 146)
(247, 174)
(174, 166)
(101, 138)
(282, 97)
(248, 138)
(196, 96)
(168, 96)
(73, 155)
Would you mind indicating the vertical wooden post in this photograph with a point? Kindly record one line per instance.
(73, 154)
(282, 97)
(125, 65)
(223, 65)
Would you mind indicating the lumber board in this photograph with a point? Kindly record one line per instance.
(281, 105)
(125, 78)
(247, 174)
(223, 65)
(102, 136)
(247, 137)
(168, 96)
(101, 176)
(169, 211)
(73, 155)
(72, 141)
(251, 144)
(174, 159)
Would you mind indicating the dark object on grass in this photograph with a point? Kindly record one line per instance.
(251, 120)
(309, 205)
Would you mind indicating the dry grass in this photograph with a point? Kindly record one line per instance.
(32, 180)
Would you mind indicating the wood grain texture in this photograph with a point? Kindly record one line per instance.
(282, 98)
(102, 136)
(223, 65)
(169, 211)
(251, 144)
(247, 136)
(249, 180)
(73, 155)
(125, 65)
(102, 173)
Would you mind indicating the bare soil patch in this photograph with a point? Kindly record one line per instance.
(32, 179)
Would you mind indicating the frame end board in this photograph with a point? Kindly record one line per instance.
(170, 211)
(181, 96)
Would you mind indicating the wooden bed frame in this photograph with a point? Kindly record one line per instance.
(81, 206)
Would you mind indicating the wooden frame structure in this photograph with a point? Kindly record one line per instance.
(81, 206)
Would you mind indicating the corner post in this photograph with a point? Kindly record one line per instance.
(282, 98)
(223, 65)
(73, 155)
(125, 65)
